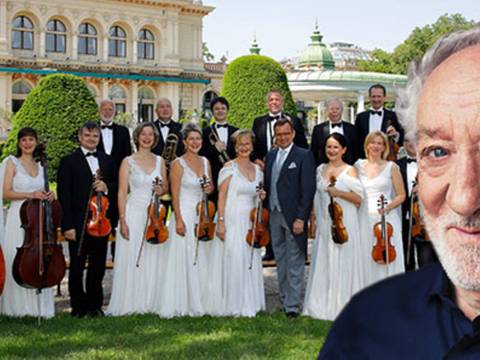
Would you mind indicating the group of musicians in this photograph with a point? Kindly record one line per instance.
(191, 264)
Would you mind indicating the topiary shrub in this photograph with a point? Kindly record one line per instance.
(55, 108)
(246, 83)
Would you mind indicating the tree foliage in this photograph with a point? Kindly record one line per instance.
(55, 108)
(415, 46)
(246, 83)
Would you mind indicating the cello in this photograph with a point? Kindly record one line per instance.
(39, 262)
(392, 145)
(383, 252)
(337, 229)
(204, 228)
(257, 235)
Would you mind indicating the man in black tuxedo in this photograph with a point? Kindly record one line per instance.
(377, 118)
(334, 109)
(290, 187)
(217, 140)
(264, 136)
(425, 252)
(166, 126)
(114, 141)
(76, 174)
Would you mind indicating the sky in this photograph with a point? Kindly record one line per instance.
(283, 28)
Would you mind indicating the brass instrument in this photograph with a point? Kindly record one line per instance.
(169, 154)
(214, 138)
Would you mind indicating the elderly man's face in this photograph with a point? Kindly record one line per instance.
(334, 111)
(107, 112)
(448, 120)
(164, 110)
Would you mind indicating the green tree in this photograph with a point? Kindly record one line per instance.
(207, 55)
(415, 46)
(246, 83)
(55, 108)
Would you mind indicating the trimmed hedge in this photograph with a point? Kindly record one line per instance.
(246, 83)
(55, 108)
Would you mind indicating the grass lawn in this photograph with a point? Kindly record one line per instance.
(149, 337)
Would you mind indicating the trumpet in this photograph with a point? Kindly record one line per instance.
(214, 139)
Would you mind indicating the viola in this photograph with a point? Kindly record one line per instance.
(204, 228)
(98, 225)
(2, 271)
(258, 235)
(337, 229)
(39, 262)
(393, 146)
(416, 225)
(383, 251)
(156, 231)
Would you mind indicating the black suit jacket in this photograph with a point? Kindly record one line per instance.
(211, 153)
(295, 187)
(362, 128)
(320, 133)
(173, 128)
(74, 182)
(260, 130)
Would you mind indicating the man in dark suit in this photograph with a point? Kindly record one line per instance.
(290, 187)
(76, 174)
(217, 143)
(334, 109)
(264, 136)
(114, 141)
(377, 118)
(167, 126)
(425, 252)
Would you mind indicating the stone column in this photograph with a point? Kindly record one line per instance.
(4, 46)
(105, 48)
(42, 42)
(74, 54)
(132, 100)
(360, 103)
(104, 89)
(134, 52)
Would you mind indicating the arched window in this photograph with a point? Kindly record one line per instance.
(20, 90)
(208, 97)
(56, 37)
(22, 33)
(117, 42)
(146, 99)
(146, 45)
(119, 97)
(87, 39)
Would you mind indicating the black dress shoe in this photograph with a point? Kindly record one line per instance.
(292, 314)
(96, 313)
(77, 313)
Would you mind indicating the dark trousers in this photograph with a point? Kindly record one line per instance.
(90, 297)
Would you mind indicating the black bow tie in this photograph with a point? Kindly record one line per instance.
(162, 124)
(410, 160)
(94, 154)
(222, 125)
(271, 118)
(109, 127)
(373, 112)
(334, 125)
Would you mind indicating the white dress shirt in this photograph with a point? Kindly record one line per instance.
(375, 121)
(336, 129)
(271, 129)
(107, 137)
(412, 171)
(222, 132)
(91, 160)
(164, 129)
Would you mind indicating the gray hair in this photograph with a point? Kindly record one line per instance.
(106, 101)
(332, 100)
(163, 100)
(189, 128)
(420, 70)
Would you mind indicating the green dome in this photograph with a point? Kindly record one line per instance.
(316, 54)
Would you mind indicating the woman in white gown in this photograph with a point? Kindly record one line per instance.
(22, 180)
(380, 177)
(134, 287)
(244, 293)
(335, 269)
(189, 287)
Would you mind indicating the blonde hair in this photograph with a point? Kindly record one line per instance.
(370, 138)
(242, 133)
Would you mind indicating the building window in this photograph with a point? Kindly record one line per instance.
(119, 97)
(146, 45)
(56, 37)
(22, 33)
(87, 39)
(117, 43)
(20, 90)
(146, 100)
(208, 97)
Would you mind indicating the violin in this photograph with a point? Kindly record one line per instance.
(393, 146)
(383, 251)
(204, 228)
(156, 232)
(39, 262)
(98, 225)
(312, 226)
(337, 229)
(257, 235)
(416, 225)
(2, 271)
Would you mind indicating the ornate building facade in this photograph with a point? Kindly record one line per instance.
(131, 51)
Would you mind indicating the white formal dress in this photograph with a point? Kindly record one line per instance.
(335, 271)
(188, 289)
(243, 287)
(17, 300)
(381, 184)
(134, 287)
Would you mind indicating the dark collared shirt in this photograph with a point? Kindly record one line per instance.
(410, 316)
